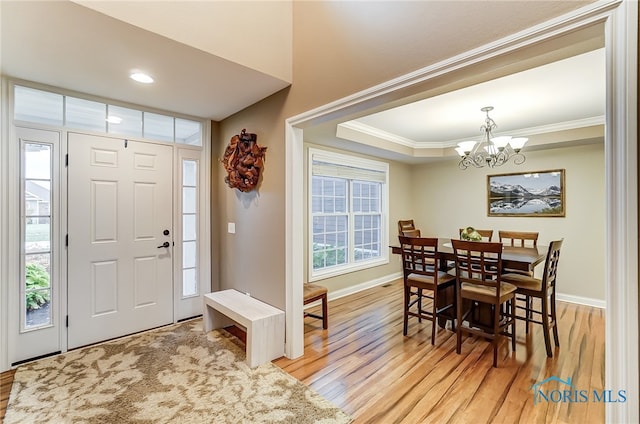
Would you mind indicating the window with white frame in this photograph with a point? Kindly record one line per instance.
(37, 253)
(39, 106)
(347, 213)
(189, 228)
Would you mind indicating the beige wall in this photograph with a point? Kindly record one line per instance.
(446, 198)
(252, 259)
(340, 48)
(441, 198)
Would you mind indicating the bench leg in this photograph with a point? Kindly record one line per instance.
(213, 319)
(208, 318)
(253, 341)
(265, 340)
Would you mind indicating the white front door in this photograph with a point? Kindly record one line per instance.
(120, 217)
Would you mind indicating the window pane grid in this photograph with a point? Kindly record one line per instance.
(367, 239)
(330, 240)
(366, 197)
(346, 221)
(190, 246)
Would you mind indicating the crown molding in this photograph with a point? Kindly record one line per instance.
(361, 133)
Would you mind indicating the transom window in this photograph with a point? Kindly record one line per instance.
(348, 209)
(33, 105)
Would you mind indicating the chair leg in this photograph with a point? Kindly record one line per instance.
(459, 323)
(455, 312)
(325, 315)
(494, 342)
(528, 313)
(434, 327)
(407, 297)
(419, 291)
(545, 324)
(554, 320)
(513, 323)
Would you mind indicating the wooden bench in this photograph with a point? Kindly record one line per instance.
(263, 323)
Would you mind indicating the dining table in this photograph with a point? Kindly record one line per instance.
(513, 258)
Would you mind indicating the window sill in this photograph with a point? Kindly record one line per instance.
(346, 269)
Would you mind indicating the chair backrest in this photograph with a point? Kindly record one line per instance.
(519, 238)
(419, 256)
(486, 234)
(411, 233)
(478, 262)
(405, 225)
(551, 265)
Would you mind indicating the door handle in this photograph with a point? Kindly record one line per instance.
(165, 244)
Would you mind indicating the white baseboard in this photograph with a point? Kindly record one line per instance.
(363, 286)
(570, 298)
(587, 301)
(358, 287)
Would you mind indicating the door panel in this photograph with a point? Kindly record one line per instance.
(104, 287)
(104, 207)
(120, 202)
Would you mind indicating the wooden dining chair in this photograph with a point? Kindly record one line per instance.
(405, 225)
(518, 238)
(411, 233)
(543, 289)
(487, 235)
(424, 281)
(479, 280)
(313, 292)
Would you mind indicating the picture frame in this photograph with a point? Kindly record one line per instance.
(527, 194)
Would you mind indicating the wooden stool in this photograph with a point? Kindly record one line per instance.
(313, 292)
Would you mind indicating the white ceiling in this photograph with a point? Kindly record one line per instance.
(66, 45)
(69, 46)
(561, 102)
(563, 92)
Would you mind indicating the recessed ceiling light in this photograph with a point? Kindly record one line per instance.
(141, 77)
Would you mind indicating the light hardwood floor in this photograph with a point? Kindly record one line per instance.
(6, 380)
(364, 365)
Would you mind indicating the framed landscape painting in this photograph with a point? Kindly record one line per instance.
(533, 194)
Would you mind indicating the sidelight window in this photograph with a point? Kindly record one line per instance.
(37, 163)
(189, 228)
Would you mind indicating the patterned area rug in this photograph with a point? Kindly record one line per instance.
(175, 374)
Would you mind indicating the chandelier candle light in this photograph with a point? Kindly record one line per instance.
(491, 151)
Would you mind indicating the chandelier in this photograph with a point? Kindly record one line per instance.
(491, 151)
